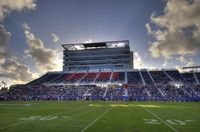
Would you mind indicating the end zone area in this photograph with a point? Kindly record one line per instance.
(51, 116)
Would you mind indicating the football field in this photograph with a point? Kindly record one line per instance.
(75, 116)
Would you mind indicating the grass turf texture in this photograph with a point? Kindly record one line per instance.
(35, 116)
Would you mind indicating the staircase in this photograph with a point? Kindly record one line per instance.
(82, 77)
(142, 78)
(126, 92)
(104, 95)
(85, 93)
(96, 77)
(195, 77)
(147, 91)
(168, 76)
(56, 78)
(151, 77)
(111, 77)
(126, 80)
(161, 92)
(71, 76)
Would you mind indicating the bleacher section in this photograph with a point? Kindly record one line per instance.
(148, 80)
(134, 78)
(97, 93)
(188, 78)
(89, 78)
(115, 93)
(175, 75)
(103, 77)
(75, 77)
(137, 93)
(92, 92)
(114, 85)
(66, 76)
(38, 80)
(48, 77)
(118, 77)
(198, 76)
(155, 92)
(160, 77)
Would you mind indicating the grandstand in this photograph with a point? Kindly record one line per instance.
(104, 56)
(105, 71)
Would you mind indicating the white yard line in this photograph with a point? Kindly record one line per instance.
(96, 119)
(22, 122)
(175, 130)
(17, 104)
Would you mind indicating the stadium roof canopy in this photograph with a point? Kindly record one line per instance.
(191, 67)
(96, 45)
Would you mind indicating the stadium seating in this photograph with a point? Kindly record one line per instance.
(137, 93)
(118, 77)
(97, 93)
(198, 76)
(62, 78)
(117, 93)
(50, 78)
(154, 92)
(75, 77)
(160, 77)
(148, 80)
(72, 92)
(141, 86)
(175, 75)
(188, 78)
(45, 78)
(134, 78)
(89, 78)
(103, 77)
(67, 76)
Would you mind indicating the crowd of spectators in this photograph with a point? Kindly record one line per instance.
(189, 78)
(134, 78)
(72, 92)
(160, 77)
(115, 93)
(153, 85)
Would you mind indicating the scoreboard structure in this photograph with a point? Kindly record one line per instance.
(97, 56)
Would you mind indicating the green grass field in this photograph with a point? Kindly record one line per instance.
(41, 116)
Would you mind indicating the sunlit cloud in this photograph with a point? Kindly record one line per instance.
(7, 6)
(187, 62)
(46, 59)
(138, 62)
(178, 29)
(11, 69)
(55, 37)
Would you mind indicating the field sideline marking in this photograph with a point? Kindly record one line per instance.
(175, 130)
(19, 123)
(96, 119)
(16, 104)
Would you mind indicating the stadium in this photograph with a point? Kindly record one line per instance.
(99, 88)
(105, 71)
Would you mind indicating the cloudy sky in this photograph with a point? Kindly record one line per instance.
(162, 33)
